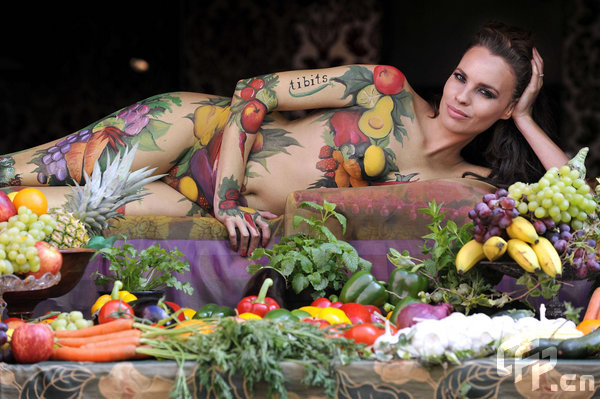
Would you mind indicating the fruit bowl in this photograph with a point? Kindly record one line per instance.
(21, 300)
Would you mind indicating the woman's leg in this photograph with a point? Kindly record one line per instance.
(162, 127)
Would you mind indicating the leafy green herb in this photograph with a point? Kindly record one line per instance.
(146, 270)
(255, 349)
(316, 259)
(465, 292)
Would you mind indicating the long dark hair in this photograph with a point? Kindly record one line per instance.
(502, 148)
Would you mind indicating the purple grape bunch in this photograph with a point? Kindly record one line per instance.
(5, 351)
(575, 246)
(136, 118)
(492, 215)
(54, 163)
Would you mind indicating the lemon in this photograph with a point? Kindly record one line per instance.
(188, 187)
(368, 96)
(374, 161)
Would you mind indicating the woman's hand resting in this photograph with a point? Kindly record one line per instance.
(251, 225)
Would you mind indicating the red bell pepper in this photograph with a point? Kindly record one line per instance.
(115, 308)
(258, 305)
(356, 312)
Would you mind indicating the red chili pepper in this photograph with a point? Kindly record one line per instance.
(258, 305)
(115, 308)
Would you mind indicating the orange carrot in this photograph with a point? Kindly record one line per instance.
(98, 329)
(81, 341)
(102, 354)
(132, 340)
(593, 306)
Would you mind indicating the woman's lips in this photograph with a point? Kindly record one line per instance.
(456, 113)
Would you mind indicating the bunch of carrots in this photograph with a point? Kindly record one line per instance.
(120, 339)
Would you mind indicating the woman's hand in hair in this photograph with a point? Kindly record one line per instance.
(524, 106)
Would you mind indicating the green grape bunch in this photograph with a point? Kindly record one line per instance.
(18, 235)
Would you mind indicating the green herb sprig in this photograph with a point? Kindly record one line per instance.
(317, 258)
(146, 270)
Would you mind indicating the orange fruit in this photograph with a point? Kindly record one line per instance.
(33, 199)
(587, 326)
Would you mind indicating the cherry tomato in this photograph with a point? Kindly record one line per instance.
(321, 303)
(365, 333)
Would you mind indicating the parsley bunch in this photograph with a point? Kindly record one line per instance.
(317, 258)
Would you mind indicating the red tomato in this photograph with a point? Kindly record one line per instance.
(356, 312)
(321, 303)
(112, 306)
(365, 333)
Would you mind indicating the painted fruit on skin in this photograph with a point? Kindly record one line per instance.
(388, 79)
(253, 115)
(248, 93)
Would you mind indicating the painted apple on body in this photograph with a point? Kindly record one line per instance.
(7, 208)
(388, 79)
(50, 259)
(32, 342)
(253, 115)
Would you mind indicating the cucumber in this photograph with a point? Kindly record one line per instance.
(539, 345)
(580, 348)
(515, 314)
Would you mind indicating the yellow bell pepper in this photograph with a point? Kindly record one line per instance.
(249, 316)
(125, 296)
(330, 314)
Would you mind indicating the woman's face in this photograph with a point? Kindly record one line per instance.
(478, 93)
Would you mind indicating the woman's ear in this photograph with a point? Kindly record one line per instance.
(509, 110)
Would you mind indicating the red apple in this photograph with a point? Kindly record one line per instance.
(388, 79)
(50, 259)
(248, 93)
(7, 208)
(32, 342)
(253, 115)
(257, 83)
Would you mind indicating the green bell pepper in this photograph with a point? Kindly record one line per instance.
(405, 283)
(214, 310)
(280, 315)
(362, 287)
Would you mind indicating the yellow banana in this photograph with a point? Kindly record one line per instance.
(523, 230)
(468, 256)
(548, 258)
(523, 254)
(494, 247)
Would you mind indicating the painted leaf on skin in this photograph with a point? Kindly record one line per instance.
(146, 139)
(355, 79)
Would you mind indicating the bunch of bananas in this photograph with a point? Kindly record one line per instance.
(531, 251)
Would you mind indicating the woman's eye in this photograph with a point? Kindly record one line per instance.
(486, 93)
(459, 76)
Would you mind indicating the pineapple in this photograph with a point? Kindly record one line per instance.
(90, 207)
(69, 232)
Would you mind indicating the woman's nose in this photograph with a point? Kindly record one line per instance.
(462, 96)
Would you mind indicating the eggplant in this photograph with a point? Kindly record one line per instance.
(149, 309)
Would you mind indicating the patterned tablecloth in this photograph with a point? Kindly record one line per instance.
(482, 378)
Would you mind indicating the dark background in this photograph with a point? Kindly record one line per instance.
(64, 66)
